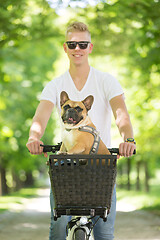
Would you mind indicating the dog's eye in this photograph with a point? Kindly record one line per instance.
(66, 107)
(79, 109)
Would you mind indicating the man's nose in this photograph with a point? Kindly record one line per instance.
(77, 47)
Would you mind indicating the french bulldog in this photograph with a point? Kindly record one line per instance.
(74, 115)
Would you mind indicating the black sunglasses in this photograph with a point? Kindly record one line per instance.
(81, 44)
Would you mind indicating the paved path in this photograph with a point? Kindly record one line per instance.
(32, 222)
(28, 223)
(137, 225)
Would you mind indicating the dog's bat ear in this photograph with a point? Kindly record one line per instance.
(63, 98)
(88, 101)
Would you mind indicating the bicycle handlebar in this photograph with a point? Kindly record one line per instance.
(51, 148)
(55, 148)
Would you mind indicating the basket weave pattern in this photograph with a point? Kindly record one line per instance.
(76, 185)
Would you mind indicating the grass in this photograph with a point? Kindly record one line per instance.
(141, 200)
(17, 199)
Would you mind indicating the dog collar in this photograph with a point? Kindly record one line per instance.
(95, 133)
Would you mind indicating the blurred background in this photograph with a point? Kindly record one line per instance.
(126, 38)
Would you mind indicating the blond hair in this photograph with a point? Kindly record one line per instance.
(78, 27)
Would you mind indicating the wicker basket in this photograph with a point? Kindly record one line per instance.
(77, 188)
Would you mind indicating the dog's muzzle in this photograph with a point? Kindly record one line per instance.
(71, 117)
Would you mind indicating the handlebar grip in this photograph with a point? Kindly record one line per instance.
(116, 150)
(46, 148)
(51, 148)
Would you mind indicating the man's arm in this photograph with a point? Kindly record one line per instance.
(124, 125)
(38, 126)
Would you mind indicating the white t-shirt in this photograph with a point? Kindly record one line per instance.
(102, 86)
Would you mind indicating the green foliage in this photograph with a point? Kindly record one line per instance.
(28, 51)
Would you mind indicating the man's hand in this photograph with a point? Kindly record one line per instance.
(34, 147)
(126, 149)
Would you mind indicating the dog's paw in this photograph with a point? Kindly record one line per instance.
(70, 153)
(62, 153)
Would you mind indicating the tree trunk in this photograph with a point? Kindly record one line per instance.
(29, 179)
(146, 176)
(138, 178)
(128, 173)
(4, 187)
(120, 173)
(0, 185)
(17, 183)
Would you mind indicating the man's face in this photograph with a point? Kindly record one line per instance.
(78, 56)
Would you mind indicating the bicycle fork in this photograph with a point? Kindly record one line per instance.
(80, 228)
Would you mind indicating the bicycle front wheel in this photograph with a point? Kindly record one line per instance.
(79, 234)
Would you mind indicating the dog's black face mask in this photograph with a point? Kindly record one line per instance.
(72, 115)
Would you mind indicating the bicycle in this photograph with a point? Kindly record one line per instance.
(82, 190)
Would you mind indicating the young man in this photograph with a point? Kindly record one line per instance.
(80, 81)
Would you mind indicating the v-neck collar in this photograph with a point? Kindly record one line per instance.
(85, 85)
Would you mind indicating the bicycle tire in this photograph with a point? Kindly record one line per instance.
(79, 234)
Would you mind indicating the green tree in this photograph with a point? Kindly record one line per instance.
(28, 44)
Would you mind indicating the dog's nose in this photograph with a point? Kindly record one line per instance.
(71, 113)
